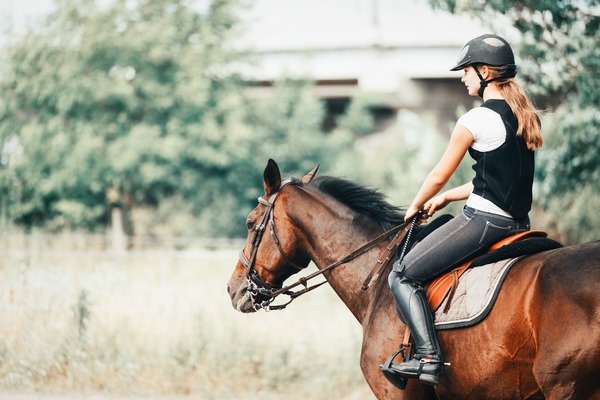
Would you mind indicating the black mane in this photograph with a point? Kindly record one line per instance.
(365, 201)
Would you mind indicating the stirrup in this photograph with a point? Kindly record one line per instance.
(395, 379)
(418, 364)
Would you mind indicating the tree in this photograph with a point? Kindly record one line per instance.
(95, 98)
(138, 105)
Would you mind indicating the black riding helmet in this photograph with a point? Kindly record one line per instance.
(487, 49)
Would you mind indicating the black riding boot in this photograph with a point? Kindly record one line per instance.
(412, 304)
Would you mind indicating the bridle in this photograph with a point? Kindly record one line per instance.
(263, 293)
(256, 285)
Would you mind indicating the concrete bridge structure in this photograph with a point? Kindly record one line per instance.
(401, 50)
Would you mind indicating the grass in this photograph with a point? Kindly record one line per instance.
(160, 323)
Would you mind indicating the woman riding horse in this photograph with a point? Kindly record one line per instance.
(501, 137)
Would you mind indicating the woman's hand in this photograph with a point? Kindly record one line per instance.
(430, 207)
(411, 212)
(414, 212)
(436, 203)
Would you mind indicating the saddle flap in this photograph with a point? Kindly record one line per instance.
(438, 289)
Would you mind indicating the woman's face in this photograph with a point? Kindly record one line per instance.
(471, 80)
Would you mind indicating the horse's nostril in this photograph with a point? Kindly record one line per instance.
(228, 289)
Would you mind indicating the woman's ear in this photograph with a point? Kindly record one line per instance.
(484, 70)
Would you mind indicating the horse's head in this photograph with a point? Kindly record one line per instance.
(273, 251)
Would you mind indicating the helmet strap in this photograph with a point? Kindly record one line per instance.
(482, 82)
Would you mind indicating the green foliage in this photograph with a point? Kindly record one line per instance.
(137, 105)
(558, 51)
(558, 57)
(397, 160)
(569, 158)
(107, 100)
(573, 217)
(358, 118)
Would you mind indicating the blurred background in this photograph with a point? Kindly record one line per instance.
(133, 136)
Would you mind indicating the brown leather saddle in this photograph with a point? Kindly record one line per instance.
(445, 285)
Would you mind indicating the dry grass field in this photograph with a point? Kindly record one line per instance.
(77, 322)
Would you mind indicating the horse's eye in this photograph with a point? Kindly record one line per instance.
(250, 225)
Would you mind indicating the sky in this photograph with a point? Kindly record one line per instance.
(21, 12)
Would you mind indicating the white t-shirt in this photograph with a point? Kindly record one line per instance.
(489, 133)
(487, 128)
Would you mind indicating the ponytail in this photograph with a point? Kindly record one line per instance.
(527, 115)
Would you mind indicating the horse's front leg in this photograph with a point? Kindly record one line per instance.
(381, 337)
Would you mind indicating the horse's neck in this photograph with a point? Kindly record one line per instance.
(331, 245)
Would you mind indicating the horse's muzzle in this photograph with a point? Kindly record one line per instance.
(242, 297)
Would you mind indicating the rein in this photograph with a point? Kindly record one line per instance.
(348, 257)
(259, 288)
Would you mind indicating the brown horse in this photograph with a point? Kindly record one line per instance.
(541, 339)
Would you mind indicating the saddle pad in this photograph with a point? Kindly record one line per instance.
(475, 295)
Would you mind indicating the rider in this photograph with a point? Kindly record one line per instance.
(500, 136)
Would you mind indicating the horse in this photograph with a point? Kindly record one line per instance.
(540, 340)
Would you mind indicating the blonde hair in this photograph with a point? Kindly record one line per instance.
(530, 126)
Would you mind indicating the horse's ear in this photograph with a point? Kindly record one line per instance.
(309, 177)
(271, 178)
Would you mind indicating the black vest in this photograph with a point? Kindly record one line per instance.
(504, 175)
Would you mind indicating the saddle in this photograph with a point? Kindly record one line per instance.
(445, 285)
